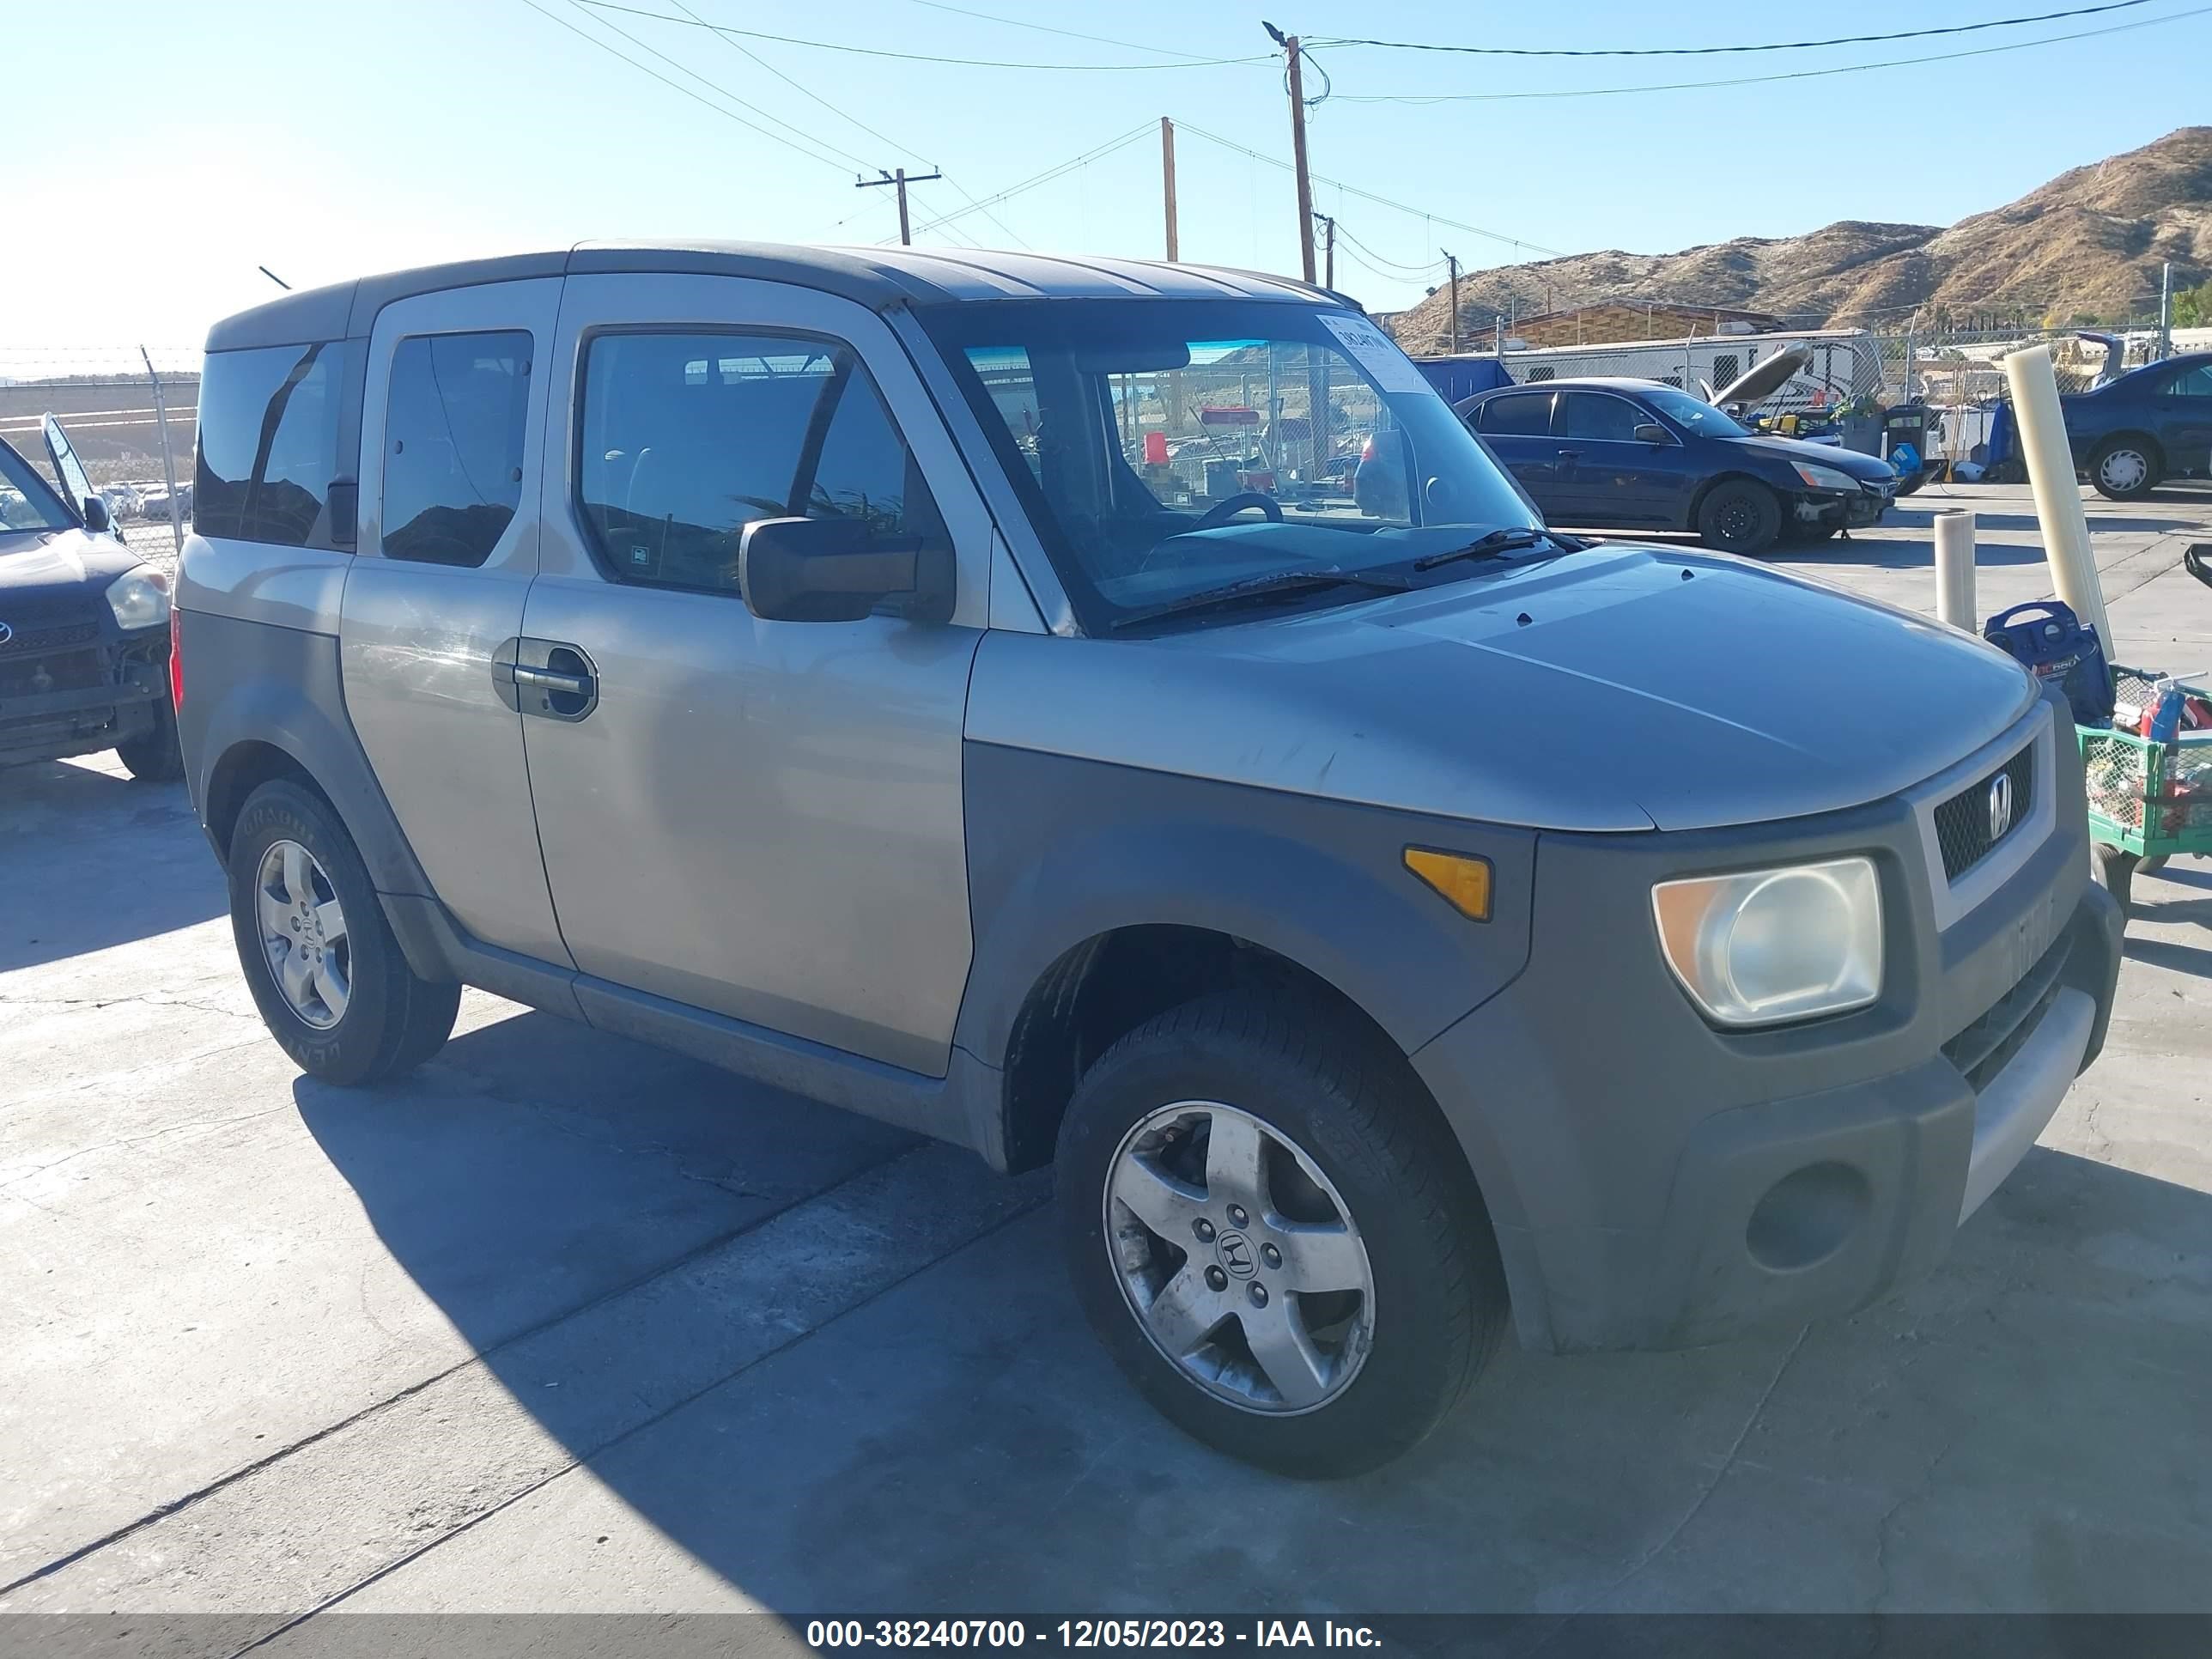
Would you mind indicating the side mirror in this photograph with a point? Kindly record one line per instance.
(839, 570)
(95, 513)
(1650, 432)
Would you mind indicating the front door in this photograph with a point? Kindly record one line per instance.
(2184, 423)
(1608, 476)
(452, 437)
(762, 819)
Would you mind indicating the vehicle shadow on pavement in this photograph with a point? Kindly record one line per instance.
(112, 866)
(772, 1416)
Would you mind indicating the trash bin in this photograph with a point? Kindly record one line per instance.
(1905, 423)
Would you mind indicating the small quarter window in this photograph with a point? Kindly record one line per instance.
(268, 443)
(453, 428)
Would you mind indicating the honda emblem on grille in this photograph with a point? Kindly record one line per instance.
(2000, 805)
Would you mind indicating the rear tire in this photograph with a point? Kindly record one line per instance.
(305, 915)
(1358, 1179)
(1739, 516)
(2126, 469)
(154, 757)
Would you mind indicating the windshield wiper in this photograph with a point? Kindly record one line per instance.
(1267, 586)
(1498, 543)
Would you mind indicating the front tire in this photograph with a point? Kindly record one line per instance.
(2126, 469)
(1739, 516)
(1274, 1235)
(330, 979)
(154, 757)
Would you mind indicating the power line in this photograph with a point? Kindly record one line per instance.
(1369, 195)
(842, 114)
(1045, 178)
(1704, 52)
(677, 86)
(1072, 34)
(720, 90)
(1344, 231)
(912, 57)
(1756, 80)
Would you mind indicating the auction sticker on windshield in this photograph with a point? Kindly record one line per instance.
(1376, 352)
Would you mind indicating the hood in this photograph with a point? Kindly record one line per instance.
(1620, 689)
(56, 560)
(1869, 469)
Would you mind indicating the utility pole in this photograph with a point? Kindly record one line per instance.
(1328, 253)
(900, 180)
(1289, 43)
(1167, 182)
(1452, 262)
(2166, 310)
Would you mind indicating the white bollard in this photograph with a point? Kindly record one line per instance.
(1954, 569)
(2057, 496)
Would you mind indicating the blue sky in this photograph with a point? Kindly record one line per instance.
(323, 139)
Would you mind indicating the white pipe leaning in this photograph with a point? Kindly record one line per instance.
(1954, 569)
(2058, 495)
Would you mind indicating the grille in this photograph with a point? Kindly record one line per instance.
(62, 671)
(1962, 823)
(25, 642)
(1985, 1048)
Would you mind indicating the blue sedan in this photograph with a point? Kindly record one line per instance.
(2131, 435)
(1604, 454)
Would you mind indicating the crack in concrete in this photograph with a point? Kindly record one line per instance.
(163, 1511)
(136, 1141)
(1727, 1462)
(473, 1520)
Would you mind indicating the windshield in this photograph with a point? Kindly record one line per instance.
(1691, 413)
(1166, 448)
(26, 502)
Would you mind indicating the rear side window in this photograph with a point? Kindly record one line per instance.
(1527, 415)
(689, 438)
(268, 443)
(453, 427)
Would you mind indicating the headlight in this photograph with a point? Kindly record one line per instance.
(139, 598)
(1826, 477)
(1768, 945)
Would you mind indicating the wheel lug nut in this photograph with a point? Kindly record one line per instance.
(1271, 1255)
(1258, 1292)
(1217, 1280)
(1236, 1216)
(1204, 1229)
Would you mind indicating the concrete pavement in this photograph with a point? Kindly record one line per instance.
(565, 1324)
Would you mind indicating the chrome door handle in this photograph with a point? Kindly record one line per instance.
(552, 679)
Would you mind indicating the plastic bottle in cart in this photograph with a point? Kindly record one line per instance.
(2162, 723)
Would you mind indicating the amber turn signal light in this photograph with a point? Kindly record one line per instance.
(1464, 880)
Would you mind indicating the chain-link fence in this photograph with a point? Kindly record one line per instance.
(130, 417)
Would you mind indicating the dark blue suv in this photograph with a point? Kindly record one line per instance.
(2131, 435)
(1639, 455)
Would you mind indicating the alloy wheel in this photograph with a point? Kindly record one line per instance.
(1239, 1258)
(303, 934)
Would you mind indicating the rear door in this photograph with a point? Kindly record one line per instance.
(1517, 427)
(2185, 408)
(453, 440)
(1608, 476)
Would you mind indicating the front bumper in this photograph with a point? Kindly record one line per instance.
(1655, 1183)
(49, 725)
(1852, 512)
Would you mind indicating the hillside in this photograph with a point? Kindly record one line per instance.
(2090, 240)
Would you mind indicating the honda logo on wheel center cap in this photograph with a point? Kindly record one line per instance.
(1234, 1252)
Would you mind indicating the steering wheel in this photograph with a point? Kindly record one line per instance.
(1222, 512)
